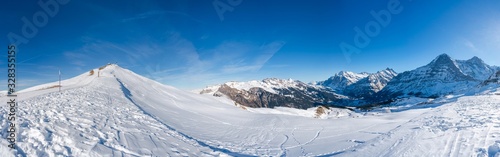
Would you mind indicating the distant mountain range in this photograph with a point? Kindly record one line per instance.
(273, 92)
(440, 77)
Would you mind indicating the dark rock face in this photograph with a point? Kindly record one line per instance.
(495, 78)
(302, 97)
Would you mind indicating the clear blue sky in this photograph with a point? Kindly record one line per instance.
(186, 44)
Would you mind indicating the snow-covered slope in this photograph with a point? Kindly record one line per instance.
(468, 127)
(75, 82)
(121, 113)
(93, 116)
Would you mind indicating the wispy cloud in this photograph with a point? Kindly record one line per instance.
(144, 15)
(178, 59)
(262, 55)
(104, 51)
(470, 45)
(228, 58)
(76, 58)
(268, 51)
(154, 13)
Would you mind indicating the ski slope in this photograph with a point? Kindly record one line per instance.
(121, 113)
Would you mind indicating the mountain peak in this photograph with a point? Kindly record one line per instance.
(443, 59)
(441, 76)
(342, 73)
(389, 70)
(475, 59)
(351, 74)
(109, 65)
(443, 56)
(476, 68)
(277, 80)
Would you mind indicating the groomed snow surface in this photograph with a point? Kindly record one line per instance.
(123, 114)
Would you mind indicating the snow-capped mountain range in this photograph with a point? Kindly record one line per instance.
(273, 92)
(341, 80)
(111, 111)
(441, 76)
(358, 85)
(369, 85)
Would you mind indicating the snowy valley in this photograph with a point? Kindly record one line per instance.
(446, 108)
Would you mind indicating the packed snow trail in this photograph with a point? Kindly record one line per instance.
(467, 127)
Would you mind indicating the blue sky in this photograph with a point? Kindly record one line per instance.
(186, 44)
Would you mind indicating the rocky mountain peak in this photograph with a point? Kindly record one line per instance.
(441, 76)
(342, 79)
(388, 71)
(476, 60)
(476, 68)
(443, 59)
(370, 85)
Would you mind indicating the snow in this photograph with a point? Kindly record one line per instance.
(373, 82)
(380, 79)
(311, 112)
(441, 76)
(476, 68)
(343, 79)
(358, 85)
(269, 85)
(123, 114)
(4, 150)
(467, 127)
